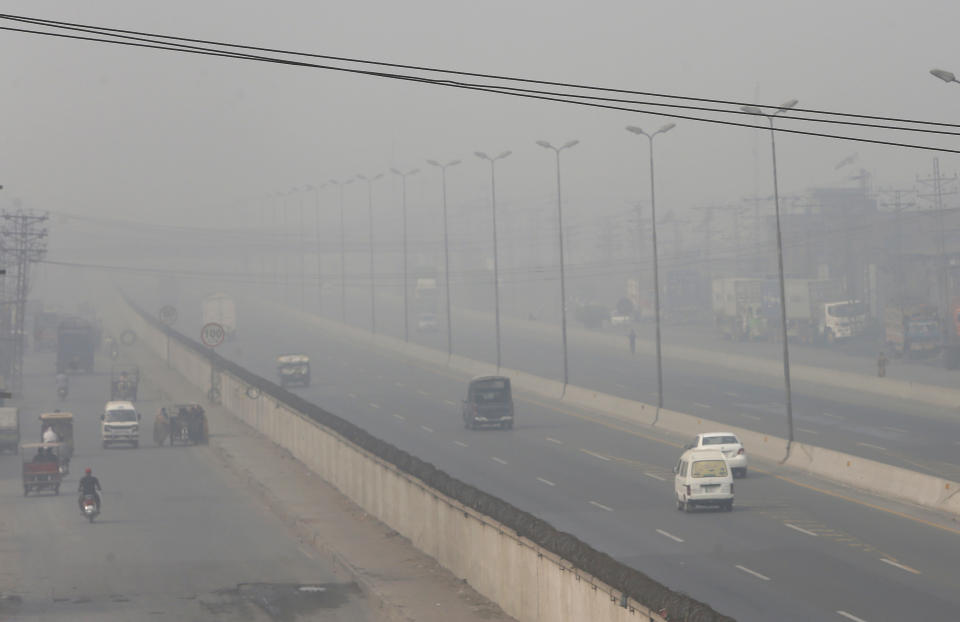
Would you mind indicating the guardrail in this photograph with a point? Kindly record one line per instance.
(532, 570)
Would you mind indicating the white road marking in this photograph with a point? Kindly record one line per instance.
(654, 476)
(669, 535)
(701, 405)
(601, 506)
(426, 429)
(750, 416)
(900, 566)
(461, 444)
(400, 417)
(893, 429)
(807, 431)
(753, 572)
(590, 453)
(500, 460)
(730, 394)
(449, 402)
(545, 481)
(553, 440)
(373, 405)
(352, 396)
(832, 416)
(619, 386)
(849, 616)
(398, 384)
(878, 447)
(422, 392)
(800, 529)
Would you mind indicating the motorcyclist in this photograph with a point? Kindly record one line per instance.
(89, 485)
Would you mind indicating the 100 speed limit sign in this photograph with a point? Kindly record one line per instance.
(212, 334)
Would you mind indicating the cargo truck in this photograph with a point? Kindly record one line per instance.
(738, 308)
(817, 311)
(76, 344)
(45, 325)
(221, 309)
(912, 329)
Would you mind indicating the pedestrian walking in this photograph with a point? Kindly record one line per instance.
(881, 365)
(633, 342)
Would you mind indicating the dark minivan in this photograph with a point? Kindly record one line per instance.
(489, 403)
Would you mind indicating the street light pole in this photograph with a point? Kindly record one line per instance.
(373, 299)
(496, 260)
(316, 223)
(406, 293)
(656, 269)
(563, 286)
(446, 246)
(343, 253)
(783, 294)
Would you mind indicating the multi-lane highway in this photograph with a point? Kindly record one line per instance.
(179, 537)
(793, 549)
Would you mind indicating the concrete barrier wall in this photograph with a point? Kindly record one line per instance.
(869, 475)
(528, 581)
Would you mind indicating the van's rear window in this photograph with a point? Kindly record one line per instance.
(709, 468)
(720, 440)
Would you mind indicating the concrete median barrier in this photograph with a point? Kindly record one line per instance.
(534, 572)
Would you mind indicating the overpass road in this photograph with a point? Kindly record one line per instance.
(793, 549)
(179, 537)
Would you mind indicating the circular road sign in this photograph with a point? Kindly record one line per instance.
(128, 337)
(212, 334)
(168, 315)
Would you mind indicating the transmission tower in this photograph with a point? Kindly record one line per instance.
(23, 241)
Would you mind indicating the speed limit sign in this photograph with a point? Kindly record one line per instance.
(212, 334)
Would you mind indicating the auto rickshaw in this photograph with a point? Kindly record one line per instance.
(62, 424)
(41, 466)
(124, 380)
(183, 423)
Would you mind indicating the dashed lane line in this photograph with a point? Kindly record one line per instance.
(400, 417)
(698, 404)
(422, 392)
(655, 476)
(545, 481)
(426, 428)
(601, 506)
(754, 417)
(460, 443)
(374, 405)
(800, 529)
(667, 534)
(595, 455)
(449, 402)
(500, 460)
(753, 572)
(730, 394)
(807, 431)
(553, 440)
(871, 446)
(398, 384)
(352, 396)
(900, 566)
(849, 616)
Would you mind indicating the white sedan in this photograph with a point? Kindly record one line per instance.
(728, 444)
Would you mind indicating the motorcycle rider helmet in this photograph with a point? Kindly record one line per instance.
(88, 471)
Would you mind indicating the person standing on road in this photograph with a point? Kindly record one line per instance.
(881, 365)
(633, 342)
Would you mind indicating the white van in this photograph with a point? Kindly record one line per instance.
(703, 477)
(120, 423)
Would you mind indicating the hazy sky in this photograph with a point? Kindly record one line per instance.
(102, 129)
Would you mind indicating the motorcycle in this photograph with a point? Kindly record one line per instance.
(88, 505)
(62, 393)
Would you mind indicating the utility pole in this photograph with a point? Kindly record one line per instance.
(23, 241)
(936, 183)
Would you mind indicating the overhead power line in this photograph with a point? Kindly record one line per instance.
(176, 44)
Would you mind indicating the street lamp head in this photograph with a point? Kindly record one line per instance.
(666, 128)
(544, 144)
(505, 154)
(361, 176)
(481, 155)
(636, 130)
(788, 105)
(453, 162)
(377, 176)
(433, 163)
(944, 75)
(396, 172)
(572, 143)
(751, 110)
(413, 171)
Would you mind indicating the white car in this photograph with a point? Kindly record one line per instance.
(120, 423)
(703, 478)
(726, 443)
(428, 323)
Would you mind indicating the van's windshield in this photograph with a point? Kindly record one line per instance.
(121, 415)
(709, 468)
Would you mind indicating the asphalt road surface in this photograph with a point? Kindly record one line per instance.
(179, 537)
(793, 549)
